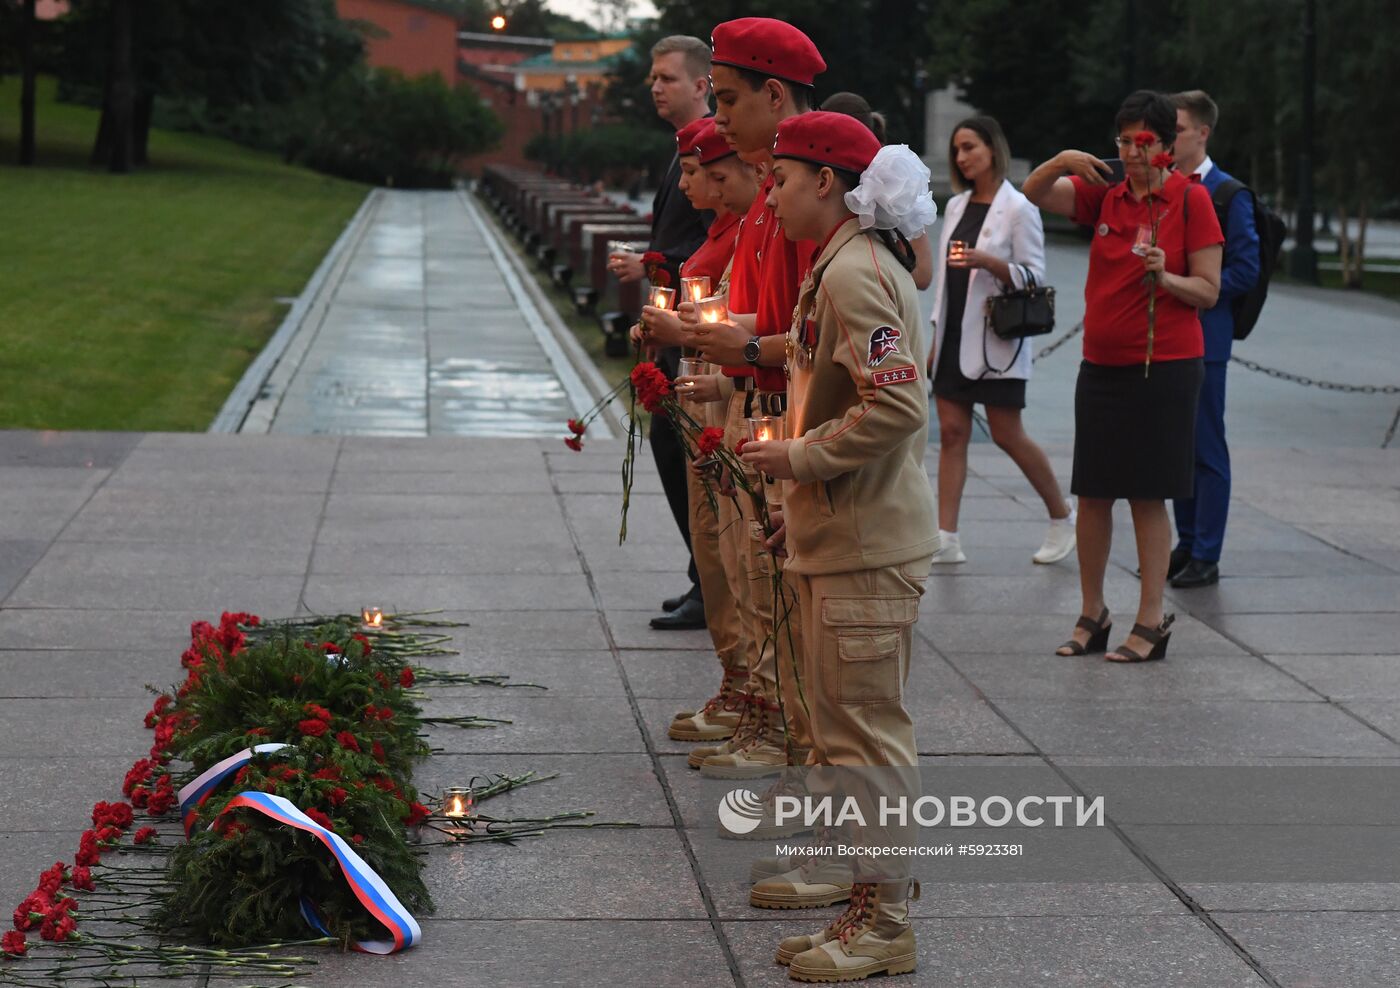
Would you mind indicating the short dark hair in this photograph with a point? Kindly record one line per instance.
(801, 95)
(1199, 105)
(854, 105)
(1156, 111)
(991, 134)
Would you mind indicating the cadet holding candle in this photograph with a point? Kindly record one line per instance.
(859, 421)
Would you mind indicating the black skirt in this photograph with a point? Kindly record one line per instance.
(1135, 436)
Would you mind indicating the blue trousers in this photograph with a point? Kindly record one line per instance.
(1200, 520)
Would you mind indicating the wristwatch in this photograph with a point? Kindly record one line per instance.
(752, 350)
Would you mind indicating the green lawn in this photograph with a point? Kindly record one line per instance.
(137, 301)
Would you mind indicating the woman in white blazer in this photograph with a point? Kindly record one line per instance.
(998, 240)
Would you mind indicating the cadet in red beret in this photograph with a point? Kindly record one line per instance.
(859, 513)
(762, 72)
(722, 590)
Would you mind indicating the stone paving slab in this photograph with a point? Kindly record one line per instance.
(1293, 656)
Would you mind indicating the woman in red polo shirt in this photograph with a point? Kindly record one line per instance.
(1135, 402)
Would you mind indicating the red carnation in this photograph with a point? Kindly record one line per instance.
(1144, 138)
(377, 750)
(82, 878)
(52, 879)
(358, 839)
(313, 728)
(320, 818)
(88, 853)
(108, 836)
(139, 773)
(364, 642)
(710, 439)
(161, 801)
(331, 773)
(12, 944)
(1163, 159)
(406, 677)
(32, 910)
(257, 732)
(577, 427)
(145, 835)
(338, 796)
(650, 384)
(385, 783)
(573, 443)
(317, 711)
(386, 713)
(417, 813)
(347, 741)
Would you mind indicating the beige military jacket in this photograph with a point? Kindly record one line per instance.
(858, 412)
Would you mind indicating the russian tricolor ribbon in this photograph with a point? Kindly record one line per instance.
(193, 795)
(368, 887)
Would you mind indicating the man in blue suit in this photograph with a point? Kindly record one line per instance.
(1200, 520)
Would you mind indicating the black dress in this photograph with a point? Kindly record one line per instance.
(948, 379)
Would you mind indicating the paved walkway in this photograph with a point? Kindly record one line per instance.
(111, 544)
(422, 323)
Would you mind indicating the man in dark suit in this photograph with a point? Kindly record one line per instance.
(1200, 520)
(680, 88)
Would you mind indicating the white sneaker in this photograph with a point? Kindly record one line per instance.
(949, 549)
(1059, 540)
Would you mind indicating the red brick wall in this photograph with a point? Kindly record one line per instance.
(418, 41)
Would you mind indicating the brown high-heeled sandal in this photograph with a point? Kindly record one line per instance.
(1098, 636)
(1156, 637)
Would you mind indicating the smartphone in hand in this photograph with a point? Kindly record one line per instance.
(1116, 173)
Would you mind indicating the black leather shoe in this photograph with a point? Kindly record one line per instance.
(671, 603)
(1197, 573)
(691, 614)
(1177, 562)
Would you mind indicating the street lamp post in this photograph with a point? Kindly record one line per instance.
(1302, 263)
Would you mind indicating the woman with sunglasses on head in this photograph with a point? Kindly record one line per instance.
(1140, 380)
(992, 241)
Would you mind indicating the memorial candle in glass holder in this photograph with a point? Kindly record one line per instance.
(459, 804)
(695, 288)
(372, 617)
(662, 298)
(712, 309)
(689, 367)
(764, 428)
(957, 250)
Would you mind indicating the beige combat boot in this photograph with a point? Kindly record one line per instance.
(815, 883)
(872, 936)
(762, 754)
(743, 731)
(715, 721)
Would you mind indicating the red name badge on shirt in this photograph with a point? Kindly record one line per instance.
(895, 375)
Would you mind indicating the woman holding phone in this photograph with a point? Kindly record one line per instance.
(1139, 382)
(992, 240)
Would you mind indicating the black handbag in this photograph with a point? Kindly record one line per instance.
(1023, 312)
(1016, 315)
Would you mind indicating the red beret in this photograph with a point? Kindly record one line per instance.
(825, 138)
(710, 144)
(771, 47)
(686, 136)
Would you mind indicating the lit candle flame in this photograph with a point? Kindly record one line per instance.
(456, 808)
(372, 617)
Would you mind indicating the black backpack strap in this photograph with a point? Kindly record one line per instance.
(1221, 198)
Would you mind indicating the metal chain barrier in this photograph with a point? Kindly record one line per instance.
(1051, 348)
(1356, 389)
